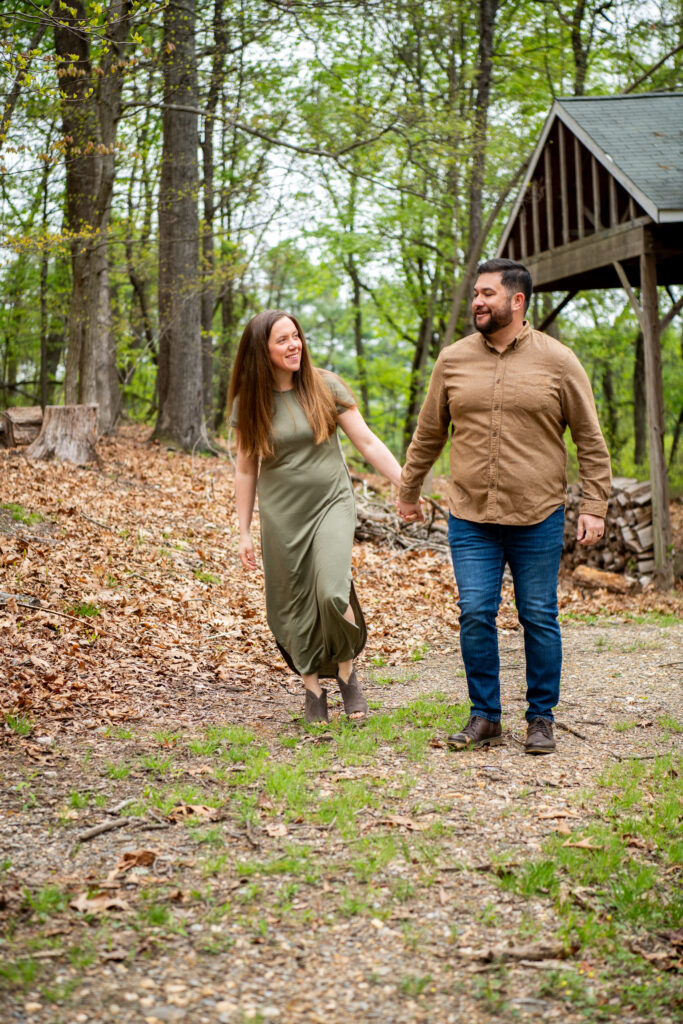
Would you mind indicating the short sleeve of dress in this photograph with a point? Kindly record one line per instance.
(235, 412)
(342, 395)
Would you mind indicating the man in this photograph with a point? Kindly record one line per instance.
(506, 394)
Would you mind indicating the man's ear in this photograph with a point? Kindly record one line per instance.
(518, 300)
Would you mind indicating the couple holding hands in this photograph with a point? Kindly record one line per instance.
(505, 394)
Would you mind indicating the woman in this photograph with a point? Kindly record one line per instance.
(285, 414)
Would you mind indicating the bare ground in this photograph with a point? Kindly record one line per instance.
(289, 876)
(496, 806)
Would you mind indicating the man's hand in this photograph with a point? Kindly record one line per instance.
(590, 529)
(410, 511)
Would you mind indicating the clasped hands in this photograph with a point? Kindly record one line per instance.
(410, 511)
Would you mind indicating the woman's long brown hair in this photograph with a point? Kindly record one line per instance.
(254, 382)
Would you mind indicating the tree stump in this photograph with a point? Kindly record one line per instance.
(68, 434)
(21, 424)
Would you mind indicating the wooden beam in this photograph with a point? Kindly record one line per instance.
(564, 196)
(597, 223)
(522, 234)
(549, 196)
(547, 320)
(613, 207)
(535, 221)
(626, 285)
(626, 242)
(654, 392)
(631, 207)
(578, 171)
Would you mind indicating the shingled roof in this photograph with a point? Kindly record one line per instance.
(605, 184)
(639, 139)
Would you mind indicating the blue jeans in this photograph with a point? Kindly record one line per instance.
(480, 551)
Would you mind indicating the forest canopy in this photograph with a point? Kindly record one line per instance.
(170, 168)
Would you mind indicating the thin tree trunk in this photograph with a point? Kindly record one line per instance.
(180, 421)
(91, 108)
(639, 403)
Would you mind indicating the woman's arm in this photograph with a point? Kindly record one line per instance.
(246, 476)
(369, 445)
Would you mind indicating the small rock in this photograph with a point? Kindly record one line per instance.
(45, 741)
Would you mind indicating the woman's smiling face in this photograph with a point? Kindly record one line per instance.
(284, 348)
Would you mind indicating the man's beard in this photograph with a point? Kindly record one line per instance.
(496, 321)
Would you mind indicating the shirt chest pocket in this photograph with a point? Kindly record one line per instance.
(532, 393)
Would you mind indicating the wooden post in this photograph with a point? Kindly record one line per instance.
(597, 223)
(522, 233)
(578, 171)
(535, 221)
(654, 390)
(549, 197)
(564, 197)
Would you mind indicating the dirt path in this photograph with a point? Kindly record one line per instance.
(359, 877)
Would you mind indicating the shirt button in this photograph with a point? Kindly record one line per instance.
(495, 433)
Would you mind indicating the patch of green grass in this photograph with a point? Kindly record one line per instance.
(59, 993)
(79, 800)
(20, 515)
(117, 771)
(413, 985)
(46, 902)
(84, 609)
(157, 765)
(624, 726)
(418, 653)
(18, 974)
(372, 855)
(378, 660)
(22, 725)
(206, 577)
(670, 724)
(118, 732)
(622, 864)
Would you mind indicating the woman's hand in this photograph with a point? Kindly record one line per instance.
(246, 552)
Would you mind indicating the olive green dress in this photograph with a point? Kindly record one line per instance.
(308, 518)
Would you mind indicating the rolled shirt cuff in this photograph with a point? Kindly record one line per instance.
(593, 508)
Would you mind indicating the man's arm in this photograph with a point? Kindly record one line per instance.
(428, 440)
(594, 462)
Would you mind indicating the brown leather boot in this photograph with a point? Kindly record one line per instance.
(539, 737)
(478, 732)
(315, 709)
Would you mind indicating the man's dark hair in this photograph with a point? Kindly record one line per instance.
(514, 276)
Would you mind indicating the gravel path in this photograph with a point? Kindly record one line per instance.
(203, 934)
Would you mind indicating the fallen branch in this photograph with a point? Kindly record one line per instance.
(105, 826)
(499, 954)
(568, 728)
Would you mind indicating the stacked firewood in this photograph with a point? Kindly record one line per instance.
(627, 546)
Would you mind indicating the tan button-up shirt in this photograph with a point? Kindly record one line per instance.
(508, 413)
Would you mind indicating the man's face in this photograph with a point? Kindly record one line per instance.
(492, 305)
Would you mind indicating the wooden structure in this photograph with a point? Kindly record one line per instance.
(601, 206)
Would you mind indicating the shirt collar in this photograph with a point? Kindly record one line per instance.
(521, 339)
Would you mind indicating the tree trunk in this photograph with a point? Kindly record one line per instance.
(180, 421)
(68, 434)
(208, 257)
(361, 364)
(91, 108)
(417, 378)
(639, 403)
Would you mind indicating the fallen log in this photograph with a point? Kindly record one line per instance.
(588, 576)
